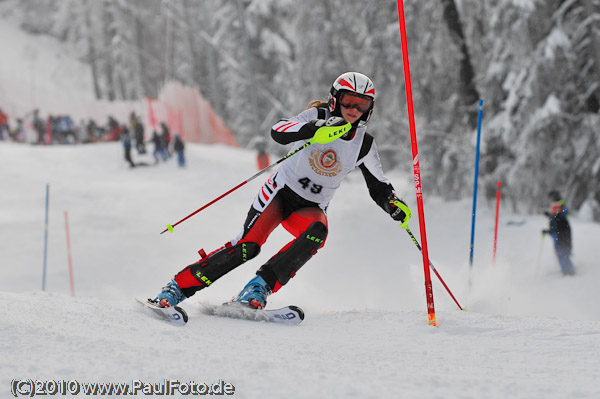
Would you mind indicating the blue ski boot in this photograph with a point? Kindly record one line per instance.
(254, 293)
(170, 295)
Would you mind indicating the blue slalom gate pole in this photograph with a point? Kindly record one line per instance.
(45, 238)
(475, 184)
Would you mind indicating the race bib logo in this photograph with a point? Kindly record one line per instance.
(325, 163)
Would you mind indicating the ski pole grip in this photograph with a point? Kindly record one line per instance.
(406, 211)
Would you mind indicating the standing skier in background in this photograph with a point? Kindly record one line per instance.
(179, 148)
(560, 231)
(298, 194)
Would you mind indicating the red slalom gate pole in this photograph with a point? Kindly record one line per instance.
(416, 166)
(69, 254)
(496, 225)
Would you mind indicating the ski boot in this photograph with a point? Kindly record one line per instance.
(170, 295)
(254, 293)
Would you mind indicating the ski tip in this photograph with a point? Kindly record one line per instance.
(298, 310)
(183, 313)
(144, 301)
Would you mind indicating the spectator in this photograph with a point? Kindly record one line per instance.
(3, 124)
(114, 129)
(179, 148)
(262, 158)
(65, 129)
(159, 147)
(126, 140)
(138, 132)
(39, 126)
(92, 130)
(19, 134)
(165, 135)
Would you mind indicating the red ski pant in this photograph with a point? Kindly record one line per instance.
(308, 224)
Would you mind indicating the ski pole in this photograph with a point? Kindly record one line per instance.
(171, 226)
(405, 227)
(333, 132)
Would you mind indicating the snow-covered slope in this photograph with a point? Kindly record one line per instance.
(529, 331)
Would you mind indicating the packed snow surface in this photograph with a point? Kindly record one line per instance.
(529, 332)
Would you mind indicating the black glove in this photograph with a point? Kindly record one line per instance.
(319, 130)
(398, 209)
(547, 213)
(315, 124)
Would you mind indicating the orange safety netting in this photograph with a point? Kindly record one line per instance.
(186, 112)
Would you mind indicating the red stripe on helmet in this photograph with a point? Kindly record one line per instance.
(345, 83)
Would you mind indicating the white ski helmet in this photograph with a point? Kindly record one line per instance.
(352, 82)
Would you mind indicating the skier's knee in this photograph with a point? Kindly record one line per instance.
(250, 250)
(317, 233)
(209, 269)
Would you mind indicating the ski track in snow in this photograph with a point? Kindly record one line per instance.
(529, 332)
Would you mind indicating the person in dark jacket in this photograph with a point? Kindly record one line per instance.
(159, 148)
(560, 231)
(138, 133)
(179, 147)
(39, 125)
(126, 140)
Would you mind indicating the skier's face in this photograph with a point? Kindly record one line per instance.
(354, 105)
(351, 114)
(555, 208)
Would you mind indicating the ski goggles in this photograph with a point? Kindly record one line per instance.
(355, 100)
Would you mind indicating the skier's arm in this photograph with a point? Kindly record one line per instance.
(380, 188)
(293, 129)
(317, 130)
(307, 125)
(287, 131)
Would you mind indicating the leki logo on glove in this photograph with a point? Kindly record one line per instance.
(325, 163)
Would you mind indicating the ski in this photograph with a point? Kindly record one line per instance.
(174, 315)
(290, 315)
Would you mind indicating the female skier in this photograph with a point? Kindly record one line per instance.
(297, 195)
